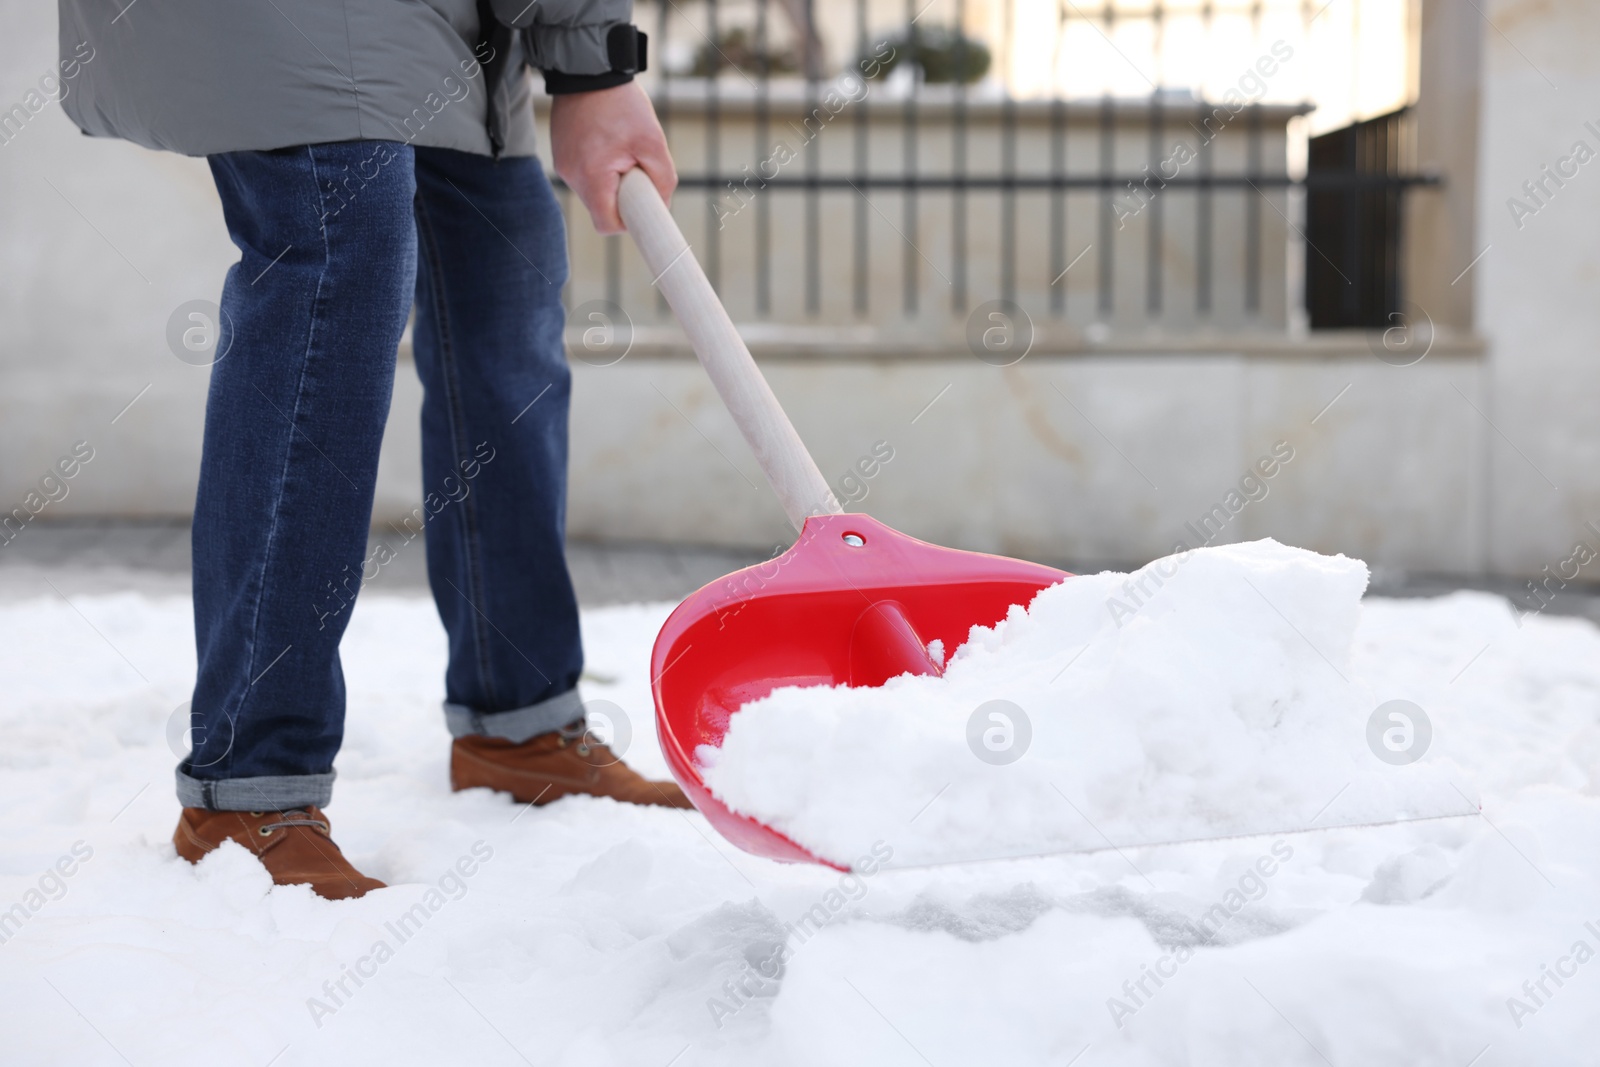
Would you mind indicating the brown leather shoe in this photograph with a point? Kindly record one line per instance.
(294, 846)
(554, 765)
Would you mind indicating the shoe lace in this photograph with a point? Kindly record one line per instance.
(296, 817)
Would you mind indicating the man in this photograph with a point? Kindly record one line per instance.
(372, 156)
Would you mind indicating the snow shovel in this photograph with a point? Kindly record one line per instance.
(852, 601)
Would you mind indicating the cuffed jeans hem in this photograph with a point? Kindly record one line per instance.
(273, 792)
(519, 724)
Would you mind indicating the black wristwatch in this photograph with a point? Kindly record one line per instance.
(627, 48)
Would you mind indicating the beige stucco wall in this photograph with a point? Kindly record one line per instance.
(1097, 457)
(1536, 286)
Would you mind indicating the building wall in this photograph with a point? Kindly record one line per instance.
(1090, 457)
(100, 242)
(1537, 285)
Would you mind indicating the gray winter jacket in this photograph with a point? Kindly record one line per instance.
(205, 76)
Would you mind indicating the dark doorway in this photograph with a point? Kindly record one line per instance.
(1353, 194)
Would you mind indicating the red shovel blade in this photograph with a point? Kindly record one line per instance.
(852, 602)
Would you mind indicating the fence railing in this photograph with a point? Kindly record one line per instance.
(860, 163)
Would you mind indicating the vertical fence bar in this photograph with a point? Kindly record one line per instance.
(1108, 134)
(1058, 207)
(1204, 196)
(813, 172)
(713, 155)
(958, 152)
(1353, 248)
(1353, 295)
(1252, 216)
(1252, 212)
(1394, 163)
(1008, 167)
(1152, 297)
(908, 135)
(663, 110)
(763, 146)
(862, 266)
(1205, 199)
(1058, 168)
(1310, 11)
(663, 100)
(1008, 199)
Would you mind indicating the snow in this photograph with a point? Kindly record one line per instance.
(598, 934)
(1207, 695)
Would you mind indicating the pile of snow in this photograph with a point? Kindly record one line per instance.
(599, 934)
(1206, 695)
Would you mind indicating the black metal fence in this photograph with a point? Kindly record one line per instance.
(1353, 217)
(898, 105)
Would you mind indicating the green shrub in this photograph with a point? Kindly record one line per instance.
(943, 54)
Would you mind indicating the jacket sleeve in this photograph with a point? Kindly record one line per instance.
(579, 45)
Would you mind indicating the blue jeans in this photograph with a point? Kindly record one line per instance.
(336, 242)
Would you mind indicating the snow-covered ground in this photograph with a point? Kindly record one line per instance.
(589, 933)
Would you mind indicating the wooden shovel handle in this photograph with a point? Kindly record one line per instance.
(783, 457)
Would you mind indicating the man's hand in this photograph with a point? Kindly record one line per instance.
(596, 138)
